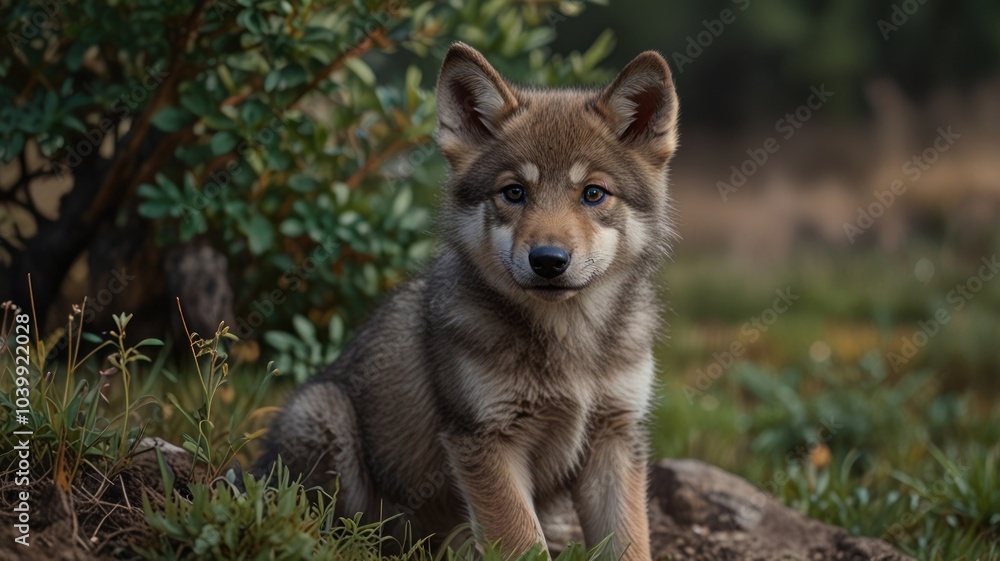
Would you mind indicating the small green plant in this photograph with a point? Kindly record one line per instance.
(303, 353)
(274, 518)
(212, 445)
(74, 427)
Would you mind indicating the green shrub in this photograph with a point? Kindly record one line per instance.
(295, 137)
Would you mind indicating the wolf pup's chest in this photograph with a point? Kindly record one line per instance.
(550, 431)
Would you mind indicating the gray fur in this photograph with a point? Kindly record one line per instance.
(472, 395)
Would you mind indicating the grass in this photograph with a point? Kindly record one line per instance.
(267, 519)
(813, 410)
(816, 411)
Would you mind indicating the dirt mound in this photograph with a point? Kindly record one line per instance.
(100, 518)
(697, 512)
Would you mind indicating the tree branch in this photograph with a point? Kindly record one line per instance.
(117, 184)
(363, 46)
(375, 161)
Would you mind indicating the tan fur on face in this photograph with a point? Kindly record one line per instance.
(563, 222)
(555, 144)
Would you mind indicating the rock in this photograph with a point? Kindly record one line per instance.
(198, 274)
(698, 512)
(178, 460)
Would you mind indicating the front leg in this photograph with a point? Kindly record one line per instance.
(494, 479)
(610, 492)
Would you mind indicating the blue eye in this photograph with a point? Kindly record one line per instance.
(594, 195)
(514, 193)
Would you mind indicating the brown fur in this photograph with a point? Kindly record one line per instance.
(481, 391)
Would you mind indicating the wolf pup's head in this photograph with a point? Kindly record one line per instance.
(553, 192)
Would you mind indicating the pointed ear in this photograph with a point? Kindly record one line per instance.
(472, 99)
(641, 105)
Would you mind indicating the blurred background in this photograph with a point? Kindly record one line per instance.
(834, 302)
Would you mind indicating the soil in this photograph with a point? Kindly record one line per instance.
(697, 512)
(100, 518)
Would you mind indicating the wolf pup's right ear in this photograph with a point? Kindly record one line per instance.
(472, 101)
(641, 106)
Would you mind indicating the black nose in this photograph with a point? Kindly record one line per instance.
(548, 261)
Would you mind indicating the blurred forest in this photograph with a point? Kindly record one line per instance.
(271, 164)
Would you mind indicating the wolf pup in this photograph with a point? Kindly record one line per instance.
(519, 366)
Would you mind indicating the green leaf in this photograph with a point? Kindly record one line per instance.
(252, 111)
(148, 191)
(166, 473)
(601, 49)
(198, 101)
(302, 183)
(362, 70)
(292, 227)
(192, 224)
(277, 159)
(260, 234)
(194, 155)
(286, 77)
(91, 337)
(171, 119)
(402, 202)
(304, 327)
(271, 80)
(150, 342)
(280, 340)
(74, 56)
(15, 147)
(51, 102)
(156, 209)
(413, 77)
(336, 329)
(223, 142)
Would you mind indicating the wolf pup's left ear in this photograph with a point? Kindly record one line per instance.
(641, 106)
(472, 101)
